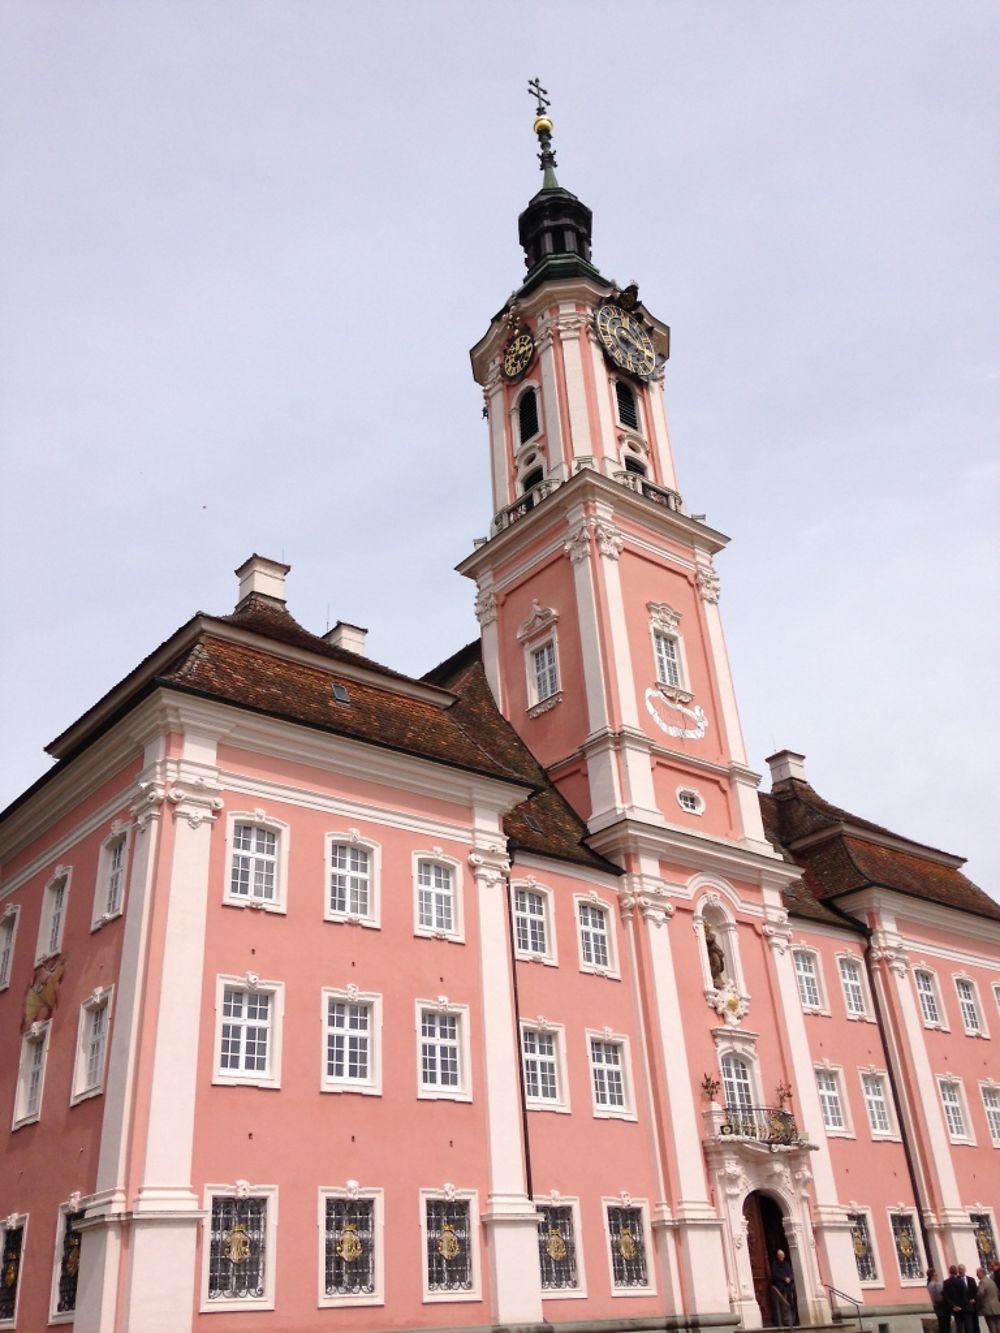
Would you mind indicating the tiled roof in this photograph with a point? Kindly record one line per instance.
(803, 899)
(855, 855)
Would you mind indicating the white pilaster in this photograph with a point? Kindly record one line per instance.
(570, 325)
(510, 1217)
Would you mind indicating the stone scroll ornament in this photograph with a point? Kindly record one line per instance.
(657, 696)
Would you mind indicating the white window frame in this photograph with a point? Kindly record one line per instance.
(37, 1036)
(61, 875)
(835, 1072)
(544, 671)
(572, 1202)
(879, 1135)
(352, 1190)
(14, 1222)
(9, 921)
(664, 623)
(105, 909)
(619, 1039)
(461, 1196)
(352, 838)
(911, 1213)
(856, 963)
(435, 856)
(878, 1281)
(625, 1200)
(698, 808)
(939, 1024)
(66, 1209)
(98, 1001)
(372, 1085)
(980, 1030)
(258, 819)
(820, 1005)
(953, 1083)
(462, 1092)
(548, 955)
(557, 1031)
(594, 900)
(996, 994)
(539, 631)
(241, 1189)
(992, 1123)
(249, 984)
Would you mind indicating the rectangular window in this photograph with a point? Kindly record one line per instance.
(608, 1075)
(10, 1273)
(876, 1104)
(986, 1243)
(440, 1051)
(350, 1264)
(557, 1248)
(238, 1242)
(861, 1239)
(92, 1039)
(350, 881)
(668, 667)
(349, 1042)
(69, 1263)
(449, 1254)
(626, 1235)
(110, 892)
(53, 918)
(951, 1100)
(435, 897)
(248, 1035)
(927, 994)
(594, 936)
(828, 1086)
(8, 928)
(540, 1057)
(991, 1105)
(907, 1253)
(969, 1007)
(854, 994)
(31, 1075)
(255, 863)
(808, 982)
(544, 672)
(530, 925)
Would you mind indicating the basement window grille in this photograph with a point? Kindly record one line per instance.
(350, 1247)
(557, 1248)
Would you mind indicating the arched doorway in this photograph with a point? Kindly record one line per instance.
(765, 1237)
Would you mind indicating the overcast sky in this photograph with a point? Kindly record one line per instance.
(245, 247)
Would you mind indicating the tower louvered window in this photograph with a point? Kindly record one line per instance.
(628, 408)
(527, 416)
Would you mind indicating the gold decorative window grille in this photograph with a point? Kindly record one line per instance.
(449, 1253)
(10, 1271)
(986, 1242)
(907, 1251)
(238, 1249)
(69, 1264)
(350, 1247)
(557, 1248)
(861, 1242)
(628, 1247)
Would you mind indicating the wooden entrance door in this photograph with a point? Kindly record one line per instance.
(765, 1237)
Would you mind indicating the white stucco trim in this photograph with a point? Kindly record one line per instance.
(556, 1200)
(471, 1197)
(625, 1200)
(437, 856)
(120, 834)
(250, 984)
(593, 899)
(550, 955)
(258, 818)
(561, 1102)
(13, 1222)
(621, 1041)
(462, 1092)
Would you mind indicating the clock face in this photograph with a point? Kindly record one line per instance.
(625, 340)
(518, 354)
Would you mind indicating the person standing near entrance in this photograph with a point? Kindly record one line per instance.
(988, 1299)
(970, 1318)
(935, 1290)
(954, 1296)
(783, 1285)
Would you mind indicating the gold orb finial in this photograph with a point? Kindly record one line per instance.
(542, 125)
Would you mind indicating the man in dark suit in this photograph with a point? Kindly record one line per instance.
(954, 1293)
(970, 1319)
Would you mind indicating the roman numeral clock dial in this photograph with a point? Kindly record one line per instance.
(625, 341)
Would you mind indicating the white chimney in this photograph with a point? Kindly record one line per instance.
(351, 637)
(786, 764)
(267, 577)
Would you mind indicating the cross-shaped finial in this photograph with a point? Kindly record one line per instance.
(541, 95)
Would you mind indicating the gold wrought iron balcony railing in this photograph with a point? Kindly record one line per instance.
(762, 1124)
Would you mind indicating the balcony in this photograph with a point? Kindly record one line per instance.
(660, 495)
(524, 504)
(771, 1126)
(512, 513)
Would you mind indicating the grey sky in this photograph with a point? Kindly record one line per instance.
(245, 247)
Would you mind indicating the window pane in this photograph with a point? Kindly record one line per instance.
(668, 671)
(850, 976)
(805, 972)
(349, 880)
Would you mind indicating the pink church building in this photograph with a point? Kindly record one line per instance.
(333, 999)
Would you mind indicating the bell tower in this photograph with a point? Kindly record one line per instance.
(596, 590)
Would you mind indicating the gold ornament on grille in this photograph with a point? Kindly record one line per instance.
(349, 1244)
(555, 1246)
(236, 1246)
(449, 1246)
(860, 1245)
(626, 1245)
(72, 1264)
(10, 1270)
(905, 1245)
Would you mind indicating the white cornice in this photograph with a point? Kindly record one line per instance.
(698, 851)
(552, 865)
(901, 907)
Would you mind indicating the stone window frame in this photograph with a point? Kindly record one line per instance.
(258, 818)
(941, 1024)
(837, 1073)
(105, 909)
(10, 919)
(250, 983)
(549, 955)
(954, 1081)
(436, 856)
(37, 1035)
(240, 1189)
(595, 901)
(561, 1102)
(452, 1195)
(462, 1092)
(822, 1005)
(352, 837)
(352, 1190)
(892, 1134)
(372, 1001)
(100, 999)
(991, 1086)
(867, 1014)
(625, 1200)
(47, 946)
(981, 1030)
(571, 1201)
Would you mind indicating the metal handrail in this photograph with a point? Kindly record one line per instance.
(764, 1124)
(835, 1291)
